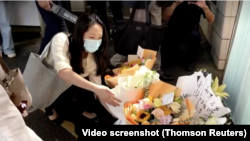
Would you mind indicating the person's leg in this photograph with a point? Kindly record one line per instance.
(54, 25)
(8, 44)
(193, 43)
(157, 67)
(116, 7)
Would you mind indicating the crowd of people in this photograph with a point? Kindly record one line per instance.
(79, 57)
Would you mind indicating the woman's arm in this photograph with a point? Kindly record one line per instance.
(71, 77)
(209, 14)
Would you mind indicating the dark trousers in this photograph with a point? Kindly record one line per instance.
(100, 7)
(54, 24)
(180, 44)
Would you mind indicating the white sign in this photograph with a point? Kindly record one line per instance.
(167, 99)
(140, 52)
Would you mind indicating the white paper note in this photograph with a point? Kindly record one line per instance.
(198, 90)
(140, 52)
(167, 99)
(132, 58)
(187, 84)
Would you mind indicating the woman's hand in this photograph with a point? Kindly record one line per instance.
(45, 4)
(105, 94)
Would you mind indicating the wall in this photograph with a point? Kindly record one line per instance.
(219, 33)
(237, 74)
(23, 13)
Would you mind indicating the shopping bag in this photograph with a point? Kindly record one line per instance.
(12, 125)
(42, 80)
(12, 82)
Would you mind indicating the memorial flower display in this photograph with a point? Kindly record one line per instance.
(146, 100)
(149, 101)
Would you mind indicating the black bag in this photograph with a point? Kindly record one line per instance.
(129, 34)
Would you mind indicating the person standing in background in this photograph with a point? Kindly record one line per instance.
(183, 21)
(7, 42)
(54, 24)
(140, 15)
(100, 6)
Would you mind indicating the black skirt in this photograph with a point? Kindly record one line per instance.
(74, 101)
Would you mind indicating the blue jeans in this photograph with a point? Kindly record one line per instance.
(8, 44)
(54, 24)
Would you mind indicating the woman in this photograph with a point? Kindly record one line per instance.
(79, 59)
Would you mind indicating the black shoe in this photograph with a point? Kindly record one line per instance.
(164, 76)
(190, 67)
(57, 121)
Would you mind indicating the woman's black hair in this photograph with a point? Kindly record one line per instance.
(77, 51)
(167, 3)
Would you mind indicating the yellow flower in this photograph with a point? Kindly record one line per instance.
(157, 102)
(166, 110)
(135, 107)
(175, 106)
(150, 98)
(145, 123)
(142, 116)
(133, 116)
(158, 112)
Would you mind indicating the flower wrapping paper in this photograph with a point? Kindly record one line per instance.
(150, 57)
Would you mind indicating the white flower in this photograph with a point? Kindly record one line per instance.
(200, 122)
(175, 106)
(211, 121)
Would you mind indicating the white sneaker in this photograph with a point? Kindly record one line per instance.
(11, 55)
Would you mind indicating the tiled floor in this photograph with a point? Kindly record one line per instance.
(39, 122)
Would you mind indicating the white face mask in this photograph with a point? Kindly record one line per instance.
(91, 46)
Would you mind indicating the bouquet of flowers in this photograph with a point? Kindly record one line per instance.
(149, 101)
(154, 112)
(147, 59)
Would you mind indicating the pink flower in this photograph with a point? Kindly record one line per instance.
(165, 120)
(126, 64)
(147, 106)
(133, 64)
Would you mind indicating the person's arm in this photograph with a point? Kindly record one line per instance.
(73, 78)
(170, 10)
(45, 4)
(208, 13)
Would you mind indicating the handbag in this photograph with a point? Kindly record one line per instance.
(12, 82)
(129, 34)
(12, 125)
(42, 80)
